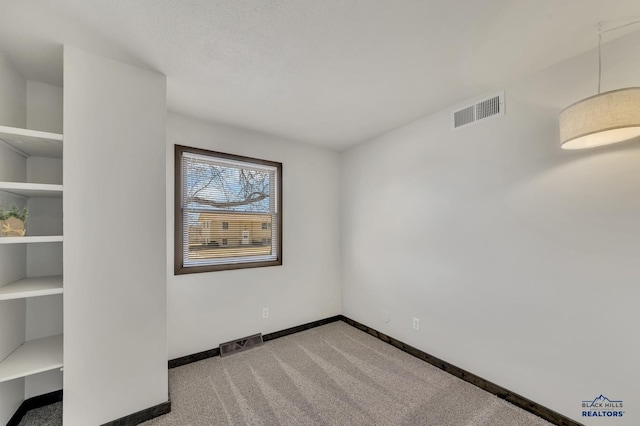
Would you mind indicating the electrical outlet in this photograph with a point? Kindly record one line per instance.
(416, 324)
(265, 312)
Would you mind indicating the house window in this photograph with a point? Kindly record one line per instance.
(241, 194)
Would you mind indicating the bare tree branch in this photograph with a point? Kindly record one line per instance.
(251, 198)
(216, 186)
(206, 185)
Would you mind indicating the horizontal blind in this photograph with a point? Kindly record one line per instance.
(229, 211)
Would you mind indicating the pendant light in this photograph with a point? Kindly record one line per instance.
(602, 119)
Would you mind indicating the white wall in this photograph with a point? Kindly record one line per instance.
(13, 96)
(44, 107)
(12, 257)
(207, 309)
(115, 344)
(519, 259)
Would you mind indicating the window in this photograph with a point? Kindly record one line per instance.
(240, 200)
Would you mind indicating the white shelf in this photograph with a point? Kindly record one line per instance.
(32, 142)
(32, 357)
(32, 287)
(32, 189)
(31, 239)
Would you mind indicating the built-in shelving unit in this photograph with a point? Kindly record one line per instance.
(39, 355)
(32, 142)
(32, 357)
(32, 287)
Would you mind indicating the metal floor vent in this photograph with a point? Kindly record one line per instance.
(240, 345)
(483, 109)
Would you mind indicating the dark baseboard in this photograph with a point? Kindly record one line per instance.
(142, 415)
(35, 402)
(188, 359)
(56, 396)
(512, 397)
(299, 328)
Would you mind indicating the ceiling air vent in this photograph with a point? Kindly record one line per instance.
(480, 110)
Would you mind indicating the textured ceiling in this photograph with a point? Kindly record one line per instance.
(329, 72)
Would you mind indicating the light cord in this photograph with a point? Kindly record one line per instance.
(599, 56)
(600, 32)
(617, 28)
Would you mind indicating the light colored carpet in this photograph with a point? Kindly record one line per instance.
(329, 375)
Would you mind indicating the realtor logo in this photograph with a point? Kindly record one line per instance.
(601, 406)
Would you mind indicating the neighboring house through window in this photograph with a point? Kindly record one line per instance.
(239, 202)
